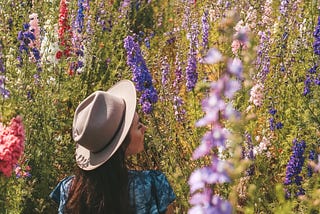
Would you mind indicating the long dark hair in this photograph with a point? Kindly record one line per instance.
(102, 190)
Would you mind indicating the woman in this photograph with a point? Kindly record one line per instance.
(107, 129)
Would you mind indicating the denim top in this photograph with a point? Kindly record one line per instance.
(149, 191)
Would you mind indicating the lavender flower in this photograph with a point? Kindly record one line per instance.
(3, 91)
(312, 157)
(317, 80)
(307, 84)
(310, 76)
(263, 59)
(179, 112)
(313, 69)
(248, 153)
(283, 7)
(272, 111)
(178, 73)
(272, 122)
(191, 69)
(80, 17)
(279, 125)
(141, 75)
(165, 71)
(294, 166)
(2, 67)
(205, 29)
(125, 6)
(316, 34)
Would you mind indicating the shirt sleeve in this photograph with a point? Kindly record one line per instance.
(162, 191)
(60, 193)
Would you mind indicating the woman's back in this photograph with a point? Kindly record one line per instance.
(149, 192)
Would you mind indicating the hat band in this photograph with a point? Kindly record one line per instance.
(115, 134)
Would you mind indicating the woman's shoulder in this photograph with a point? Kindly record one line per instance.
(147, 177)
(150, 190)
(60, 192)
(145, 174)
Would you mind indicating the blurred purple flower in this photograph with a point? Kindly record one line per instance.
(213, 56)
(216, 109)
(215, 138)
(235, 67)
(210, 203)
(215, 173)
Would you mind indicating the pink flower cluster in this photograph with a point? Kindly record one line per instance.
(256, 94)
(12, 140)
(35, 29)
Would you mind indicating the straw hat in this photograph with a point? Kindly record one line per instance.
(101, 123)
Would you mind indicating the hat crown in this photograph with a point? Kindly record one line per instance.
(97, 120)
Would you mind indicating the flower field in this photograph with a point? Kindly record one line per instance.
(229, 92)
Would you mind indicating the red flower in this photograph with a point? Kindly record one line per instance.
(59, 55)
(64, 31)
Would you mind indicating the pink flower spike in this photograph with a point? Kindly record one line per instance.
(12, 145)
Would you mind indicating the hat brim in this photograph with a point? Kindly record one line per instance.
(88, 160)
